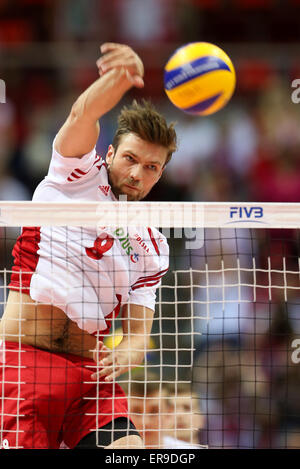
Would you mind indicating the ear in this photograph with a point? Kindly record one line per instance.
(110, 154)
(161, 171)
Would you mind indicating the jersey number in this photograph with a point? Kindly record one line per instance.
(102, 244)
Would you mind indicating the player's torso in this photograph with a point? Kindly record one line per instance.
(81, 277)
(43, 326)
(86, 272)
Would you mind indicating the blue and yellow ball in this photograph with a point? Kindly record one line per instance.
(115, 338)
(199, 78)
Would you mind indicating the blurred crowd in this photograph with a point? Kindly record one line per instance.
(249, 151)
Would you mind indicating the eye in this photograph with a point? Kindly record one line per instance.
(129, 158)
(151, 167)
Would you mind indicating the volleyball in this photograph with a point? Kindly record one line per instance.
(113, 340)
(199, 78)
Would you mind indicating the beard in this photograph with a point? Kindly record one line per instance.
(118, 191)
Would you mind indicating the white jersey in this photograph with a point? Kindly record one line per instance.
(88, 273)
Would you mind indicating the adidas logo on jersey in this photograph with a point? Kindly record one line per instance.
(104, 189)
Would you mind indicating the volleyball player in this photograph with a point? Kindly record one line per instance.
(68, 283)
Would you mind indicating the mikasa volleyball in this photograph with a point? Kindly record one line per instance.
(199, 78)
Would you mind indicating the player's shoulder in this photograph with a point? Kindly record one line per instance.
(71, 171)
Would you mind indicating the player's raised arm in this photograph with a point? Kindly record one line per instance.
(120, 68)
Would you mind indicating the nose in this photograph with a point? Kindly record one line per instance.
(136, 172)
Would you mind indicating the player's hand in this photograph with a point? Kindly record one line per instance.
(113, 363)
(119, 56)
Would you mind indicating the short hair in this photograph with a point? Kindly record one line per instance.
(143, 383)
(180, 388)
(148, 124)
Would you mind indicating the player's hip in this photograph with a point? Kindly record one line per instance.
(49, 397)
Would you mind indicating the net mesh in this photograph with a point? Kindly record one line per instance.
(222, 366)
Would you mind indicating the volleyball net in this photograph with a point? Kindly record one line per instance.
(221, 367)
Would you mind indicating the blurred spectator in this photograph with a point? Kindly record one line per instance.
(148, 408)
(188, 418)
(275, 176)
(236, 399)
(290, 438)
(198, 140)
(274, 352)
(241, 141)
(223, 308)
(79, 19)
(163, 419)
(275, 170)
(146, 21)
(10, 187)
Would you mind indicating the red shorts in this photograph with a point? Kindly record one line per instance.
(47, 398)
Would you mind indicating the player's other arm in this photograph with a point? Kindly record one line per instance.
(137, 324)
(120, 68)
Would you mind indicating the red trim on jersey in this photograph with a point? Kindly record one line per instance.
(73, 176)
(151, 284)
(80, 171)
(113, 314)
(109, 318)
(153, 241)
(149, 281)
(159, 274)
(97, 161)
(142, 282)
(25, 259)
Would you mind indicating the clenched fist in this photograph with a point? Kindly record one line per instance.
(119, 56)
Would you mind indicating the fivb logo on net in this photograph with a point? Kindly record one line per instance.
(185, 221)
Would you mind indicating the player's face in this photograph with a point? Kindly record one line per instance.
(150, 417)
(135, 167)
(186, 415)
(137, 411)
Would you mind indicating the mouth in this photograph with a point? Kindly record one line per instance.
(133, 188)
